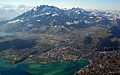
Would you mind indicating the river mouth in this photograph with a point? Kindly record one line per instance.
(53, 68)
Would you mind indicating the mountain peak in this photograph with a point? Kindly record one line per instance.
(44, 8)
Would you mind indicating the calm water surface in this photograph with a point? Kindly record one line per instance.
(4, 34)
(53, 68)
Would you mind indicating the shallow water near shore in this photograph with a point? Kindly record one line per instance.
(53, 68)
(4, 34)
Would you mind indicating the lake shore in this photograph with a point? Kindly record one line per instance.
(84, 67)
(53, 68)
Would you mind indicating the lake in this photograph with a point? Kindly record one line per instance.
(53, 68)
(4, 34)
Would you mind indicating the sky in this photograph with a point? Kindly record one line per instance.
(87, 4)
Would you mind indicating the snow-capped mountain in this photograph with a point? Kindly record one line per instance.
(44, 15)
(8, 12)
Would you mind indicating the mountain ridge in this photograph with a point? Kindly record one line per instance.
(45, 15)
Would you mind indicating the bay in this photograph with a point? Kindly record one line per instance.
(53, 68)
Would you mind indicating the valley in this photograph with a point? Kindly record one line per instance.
(50, 41)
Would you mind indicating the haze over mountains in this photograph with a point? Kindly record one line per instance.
(8, 12)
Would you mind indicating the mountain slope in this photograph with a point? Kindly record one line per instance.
(44, 15)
